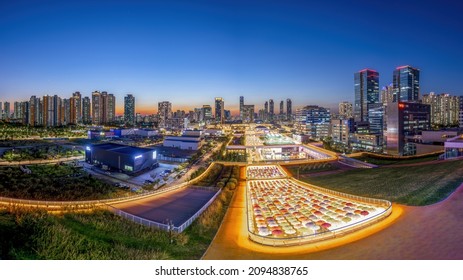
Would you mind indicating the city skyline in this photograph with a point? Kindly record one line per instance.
(196, 52)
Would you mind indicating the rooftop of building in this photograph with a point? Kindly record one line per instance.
(174, 152)
(121, 149)
(458, 139)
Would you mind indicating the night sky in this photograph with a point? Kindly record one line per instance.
(189, 52)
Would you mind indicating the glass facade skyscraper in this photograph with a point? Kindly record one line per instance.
(219, 109)
(289, 109)
(406, 84)
(129, 109)
(314, 120)
(405, 119)
(366, 84)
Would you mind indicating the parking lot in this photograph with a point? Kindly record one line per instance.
(154, 174)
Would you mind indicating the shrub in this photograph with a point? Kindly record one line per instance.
(231, 185)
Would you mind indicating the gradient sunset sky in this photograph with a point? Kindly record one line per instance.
(189, 52)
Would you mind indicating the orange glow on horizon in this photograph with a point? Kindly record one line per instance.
(153, 109)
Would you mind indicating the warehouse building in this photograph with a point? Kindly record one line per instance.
(128, 159)
(183, 142)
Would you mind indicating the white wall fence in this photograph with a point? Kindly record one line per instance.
(316, 237)
(168, 226)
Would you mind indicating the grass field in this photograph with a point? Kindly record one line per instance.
(410, 185)
(310, 168)
(386, 161)
(55, 182)
(102, 235)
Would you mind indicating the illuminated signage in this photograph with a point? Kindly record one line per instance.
(401, 105)
(139, 156)
(88, 148)
(154, 155)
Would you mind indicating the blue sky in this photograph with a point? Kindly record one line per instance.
(189, 52)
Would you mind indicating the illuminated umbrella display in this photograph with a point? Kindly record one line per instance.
(282, 208)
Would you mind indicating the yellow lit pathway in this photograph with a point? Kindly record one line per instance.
(231, 241)
(431, 232)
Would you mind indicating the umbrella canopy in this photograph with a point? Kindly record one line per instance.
(326, 225)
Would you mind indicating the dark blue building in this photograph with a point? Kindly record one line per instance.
(121, 157)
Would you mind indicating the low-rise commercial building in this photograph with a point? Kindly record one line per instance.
(110, 156)
(366, 142)
(183, 142)
(454, 147)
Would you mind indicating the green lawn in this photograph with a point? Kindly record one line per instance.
(100, 234)
(310, 168)
(410, 185)
(386, 161)
(55, 182)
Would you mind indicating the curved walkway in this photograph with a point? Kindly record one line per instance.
(40, 161)
(429, 232)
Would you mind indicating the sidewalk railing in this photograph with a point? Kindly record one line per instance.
(39, 161)
(355, 162)
(316, 237)
(76, 205)
(163, 226)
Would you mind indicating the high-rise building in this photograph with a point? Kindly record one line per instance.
(206, 112)
(265, 113)
(21, 112)
(1, 111)
(314, 121)
(97, 108)
(271, 110)
(405, 119)
(25, 112)
(111, 109)
(17, 110)
(57, 103)
(461, 111)
(69, 114)
(340, 130)
(366, 91)
(129, 110)
(197, 114)
(241, 107)
(387, 94)
(406, 84)
(376, 118)
(47, 111)
(103, 108)
(86, 110)
(227, 114)
(34, 111)
(282, 105)
(165, 113)
(248, 113)
(445, 108)
(219, 110)
(6, 110)
(289, 109)
(345, 110)
(76, 108)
